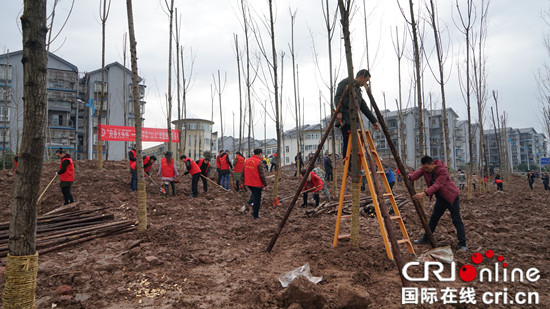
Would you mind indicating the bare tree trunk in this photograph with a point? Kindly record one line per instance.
(178, 84)
(125, 93)
(353, 116)
(244, 9)
(169, 114)
(142, 194)
(5, 114)
(103, 18)
(418, 79)
(482, 86)
(240, 92)
(467, 25)
(497, 137)
(220, 89)
(354, 147)
(212, 115)
(399, 50)
(330, 26)
(22, 262)
(441, 82)
(296, 100)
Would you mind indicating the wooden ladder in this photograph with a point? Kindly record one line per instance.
(370, 180)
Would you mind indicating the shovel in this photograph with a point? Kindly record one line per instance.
(40, 197)
(224, 189)
(161, 189)
(277, 201)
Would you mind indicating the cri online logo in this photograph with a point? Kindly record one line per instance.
(499, 273)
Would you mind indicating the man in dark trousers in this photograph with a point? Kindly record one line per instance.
(254, 179)
(342, 118)
(195, 172)
(66, 175)
(218, 163)
(225, 169)
(530, 179)
(274, 162)
(328, 167)
(436, 175)
(238, 170)
(204, 165)
(133, 171)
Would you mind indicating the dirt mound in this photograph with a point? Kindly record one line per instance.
(205, 253)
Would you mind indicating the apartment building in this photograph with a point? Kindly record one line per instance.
(118, 109)
(62, 93)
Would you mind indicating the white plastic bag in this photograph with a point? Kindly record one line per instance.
(289, 276)
(441, 254)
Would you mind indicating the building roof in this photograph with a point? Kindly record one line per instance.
(73, 67)
(193, 120)
(305, 128)
(114, 64)
(437, 112)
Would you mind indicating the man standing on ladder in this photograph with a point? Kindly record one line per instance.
(436, 175)
(342, 118)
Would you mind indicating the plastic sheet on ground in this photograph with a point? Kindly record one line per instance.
(440, 254)
(289, 276)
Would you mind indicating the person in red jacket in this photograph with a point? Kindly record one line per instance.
(195, 171)
(499, 182)
(148, 162)
(238, 170)
(66, 175)
(168, 171)
(254, 179)
(133, 162)
(436, 175)
(15, 159)
(224, 169)
(218, 164)
(204, 165)
(313, 184)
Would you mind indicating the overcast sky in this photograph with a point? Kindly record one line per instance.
(514, 51)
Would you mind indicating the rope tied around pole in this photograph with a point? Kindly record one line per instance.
(20, 288)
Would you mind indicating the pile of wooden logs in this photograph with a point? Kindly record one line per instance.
(56, 231)
(367, 207)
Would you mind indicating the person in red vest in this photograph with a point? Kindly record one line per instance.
(132, 157)
(148, 162)
(313, 183)
(15, 159)
(218, 164)
(204, 165)
(498, 181)
(195, 171)
(254, 179)
(238, 170)
(168, 171)
(225, 169)
(66, 175)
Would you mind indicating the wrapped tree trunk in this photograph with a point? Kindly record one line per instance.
(22, 262)
(142, 194)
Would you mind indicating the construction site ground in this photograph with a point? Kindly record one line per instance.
(204, 252)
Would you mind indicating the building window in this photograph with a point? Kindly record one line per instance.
(4, 113)
(287, 149)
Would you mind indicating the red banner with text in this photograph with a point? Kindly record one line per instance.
(122, 133)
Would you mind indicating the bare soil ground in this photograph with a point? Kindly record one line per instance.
(204, 253)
